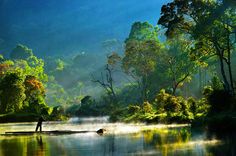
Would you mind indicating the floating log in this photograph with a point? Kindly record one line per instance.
(55, 132)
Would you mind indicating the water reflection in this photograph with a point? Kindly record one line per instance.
(227, 148)
(178, 141)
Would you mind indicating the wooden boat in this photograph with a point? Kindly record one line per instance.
(55, 132)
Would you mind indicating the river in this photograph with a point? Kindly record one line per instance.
(120, 139)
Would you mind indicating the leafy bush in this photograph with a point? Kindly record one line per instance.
(207, 90)
(133, 109)
(147, 107)
(176, 107)
(216, 83)
(193, 105)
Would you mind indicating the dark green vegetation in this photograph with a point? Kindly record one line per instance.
(188, 77)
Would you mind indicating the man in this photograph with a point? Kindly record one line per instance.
(39, 125)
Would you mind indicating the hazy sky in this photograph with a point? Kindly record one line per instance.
(69, 26)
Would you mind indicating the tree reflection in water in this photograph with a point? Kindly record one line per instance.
(165, 141)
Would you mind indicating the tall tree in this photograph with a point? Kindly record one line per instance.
(141, 49)
(179, 68)
(210, 24)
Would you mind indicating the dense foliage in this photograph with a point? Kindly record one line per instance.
(21, 83)
(189, 76)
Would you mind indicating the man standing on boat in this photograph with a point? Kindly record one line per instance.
(39, 124)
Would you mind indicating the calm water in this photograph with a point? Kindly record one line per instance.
(119, 140)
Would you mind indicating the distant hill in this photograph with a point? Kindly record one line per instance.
(55, 27)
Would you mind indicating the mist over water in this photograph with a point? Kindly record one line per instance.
(104, 119)
(119, 139)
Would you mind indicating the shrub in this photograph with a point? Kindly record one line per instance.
(133, 109)
(147, 107)
(207, 90)
(192, 104)
(176, 107)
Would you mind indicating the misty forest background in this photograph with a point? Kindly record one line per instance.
(64, 65)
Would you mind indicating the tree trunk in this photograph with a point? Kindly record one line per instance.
(229, 63)
(231, 78)
(174, 89)
(220, 54)
(176, 84)
(200, 80)
(226, 83)
(144, 89)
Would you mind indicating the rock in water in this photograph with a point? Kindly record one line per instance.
(101, 131)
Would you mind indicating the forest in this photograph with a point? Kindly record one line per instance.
(181, 70)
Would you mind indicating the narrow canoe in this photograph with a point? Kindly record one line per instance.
(100, 131)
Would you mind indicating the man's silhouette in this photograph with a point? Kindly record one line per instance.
(39, 125)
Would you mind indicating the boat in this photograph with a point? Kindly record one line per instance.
(55, 132)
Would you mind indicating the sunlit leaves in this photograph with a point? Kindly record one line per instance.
(35, 94)
(34, 85)
(33, 66)
(21, 82)
(176, 62)
(141, 49)
(140, 57)
(141, 52)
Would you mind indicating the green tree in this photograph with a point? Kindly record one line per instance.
(32, 66)
(141, 50)
(35, 96)
(179, 68)
(12, 93)
(23, 79)
(210, 24)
